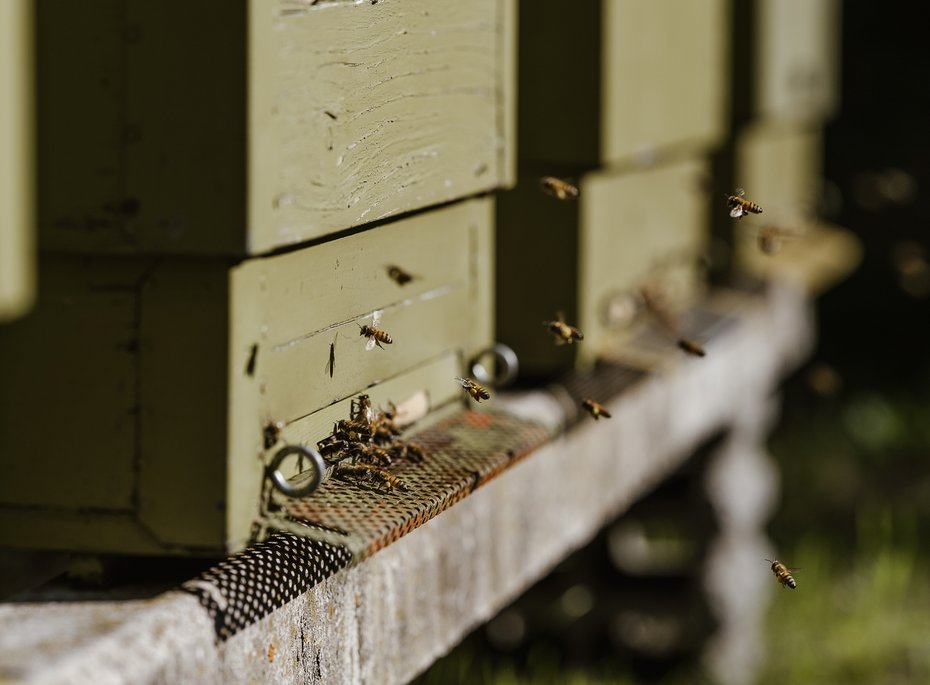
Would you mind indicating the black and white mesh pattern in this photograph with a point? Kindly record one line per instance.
(250, 585)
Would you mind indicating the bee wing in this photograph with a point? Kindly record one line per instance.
(462, 381)
(739, 192)
(737, 212)
(376, 317)
(370, 345)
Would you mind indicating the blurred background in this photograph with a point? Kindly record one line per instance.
(852, 443)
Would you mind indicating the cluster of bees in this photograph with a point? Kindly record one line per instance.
(362, 446)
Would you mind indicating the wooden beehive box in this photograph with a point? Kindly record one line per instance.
(240, 127)
(614, 81)
(136, 393)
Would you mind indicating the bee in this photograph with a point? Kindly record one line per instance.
(740, 206)
(352, 430)
(366, 473)
(563, 333)
(271, 433)
(332, 446)
(477, 392)
(398, 275)
(691, 347)
(563, 190)
(596, 410)
(414, 451)
(374, 334)
(361, 409)
(783, 574)
(383, 429)
(373, 454)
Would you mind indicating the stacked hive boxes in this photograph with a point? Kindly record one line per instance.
(223, 187)
(786, 86)
(627, 98)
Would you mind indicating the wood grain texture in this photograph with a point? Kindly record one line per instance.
(797, 56)
(17, 228)
(362, 111)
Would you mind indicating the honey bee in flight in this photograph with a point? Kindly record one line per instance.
(783, 574)
(477, 392)
(374, 334)
(563, 333)
(740, 206)
(398, 275)
(563, 190)
(691, 347)
(596, 410)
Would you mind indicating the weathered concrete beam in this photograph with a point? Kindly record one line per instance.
(390, 617)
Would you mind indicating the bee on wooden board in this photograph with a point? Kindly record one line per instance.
(783, 574)
(562, 332)
(594, 409)
(476, 391)
(366, 473)
(563, 190)
(375, 335)
(398, 275)
(740, 206)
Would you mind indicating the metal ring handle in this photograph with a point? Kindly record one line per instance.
(318, 466)
(507, 366)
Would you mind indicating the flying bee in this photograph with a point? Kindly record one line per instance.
(691, 347)
(374, 334)
(477, 392)
(596, 410)
(783, 574)
(563, 190)
(362, 473)
(740, 206)
(563, 333)
(398, 275)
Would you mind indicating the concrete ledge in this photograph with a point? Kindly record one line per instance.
(390, 617)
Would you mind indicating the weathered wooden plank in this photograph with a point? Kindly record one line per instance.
(621, 81)
(319, 117)
(183, 455)
(71, 365)
(17, 229)
(80, 126)
(371, 109)
(797, 59)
